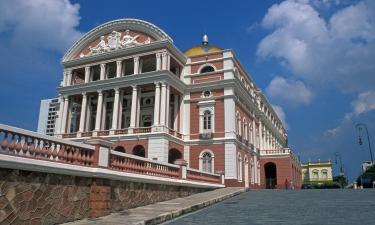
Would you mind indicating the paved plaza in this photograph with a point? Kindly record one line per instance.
(271, 207)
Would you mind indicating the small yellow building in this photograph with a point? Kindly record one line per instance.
(317, 172)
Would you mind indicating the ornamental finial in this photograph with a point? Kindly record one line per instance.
(205, 40)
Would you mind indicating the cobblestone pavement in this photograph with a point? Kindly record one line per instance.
(271, 207)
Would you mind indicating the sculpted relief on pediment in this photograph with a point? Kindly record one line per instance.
(114, 41)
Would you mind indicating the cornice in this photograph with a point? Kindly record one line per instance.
(126, 81)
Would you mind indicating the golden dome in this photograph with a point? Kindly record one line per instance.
(201, 50)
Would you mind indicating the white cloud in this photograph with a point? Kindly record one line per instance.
(46, 24)
(291, 91)
(364, 103)
(338, 52)
(281, 114)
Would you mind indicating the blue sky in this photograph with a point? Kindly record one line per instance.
(314, 59)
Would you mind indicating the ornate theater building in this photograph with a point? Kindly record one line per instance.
(126, 82)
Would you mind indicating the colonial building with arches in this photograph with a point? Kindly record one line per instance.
(125, 81)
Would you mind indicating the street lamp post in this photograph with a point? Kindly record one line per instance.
(360, 126)
(338, 155)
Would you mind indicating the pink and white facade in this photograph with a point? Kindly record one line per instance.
(126, 82)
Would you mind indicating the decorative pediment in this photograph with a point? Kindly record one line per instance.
(114, 41)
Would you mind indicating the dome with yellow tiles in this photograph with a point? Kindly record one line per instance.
(204, 48)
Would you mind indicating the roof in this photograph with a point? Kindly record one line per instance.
(201, 50)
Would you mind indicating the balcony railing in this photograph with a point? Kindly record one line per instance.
(282, 151)
(122, 131)
(70, 135)
(205, 135)
(103, 133)
(86, 134)
(142, 130)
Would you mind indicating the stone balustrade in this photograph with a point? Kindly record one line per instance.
(96, 153)
(134, 164)
(23, 143)
(198, 175)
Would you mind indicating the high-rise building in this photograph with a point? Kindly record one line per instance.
(47, 116)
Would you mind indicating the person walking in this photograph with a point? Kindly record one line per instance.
(286, 183)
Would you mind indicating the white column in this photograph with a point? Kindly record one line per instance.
(133, 107)
(168, 62)
(183, 122)
(102, 71)
(83, 113)
(138, 112)
(59, 115)
(64, 79)
(64, 119)
(87, 74)
(167, 107)
(261, 136)
(115, 109)
(119, 122)
(175, 113)
(136, 65)
(104, 110)
(99, 110)
(158, 61)
(69, 77)
(164, 60)
(163, 103)
(253, 133)
(88, 115)
(157, 104)
(118, 68)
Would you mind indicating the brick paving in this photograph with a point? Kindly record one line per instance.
(302, 207)
(163, 211)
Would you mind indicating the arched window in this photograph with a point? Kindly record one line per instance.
(207, 120)
(120, 149)
(207, 69)
(324, 174)
(244, 125)
(315, 174)
(251, 139)
(239, 126)
(139, 150)
(173, 155)
(207, 162)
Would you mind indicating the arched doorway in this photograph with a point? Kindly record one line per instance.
(139, 150)
(270, 174)
(120, 149)
(173, 155)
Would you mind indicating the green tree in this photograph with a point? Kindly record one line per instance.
(340, 180)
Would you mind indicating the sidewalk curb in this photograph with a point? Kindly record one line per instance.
(171, 215)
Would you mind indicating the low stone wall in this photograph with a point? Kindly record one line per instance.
(44, 198)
